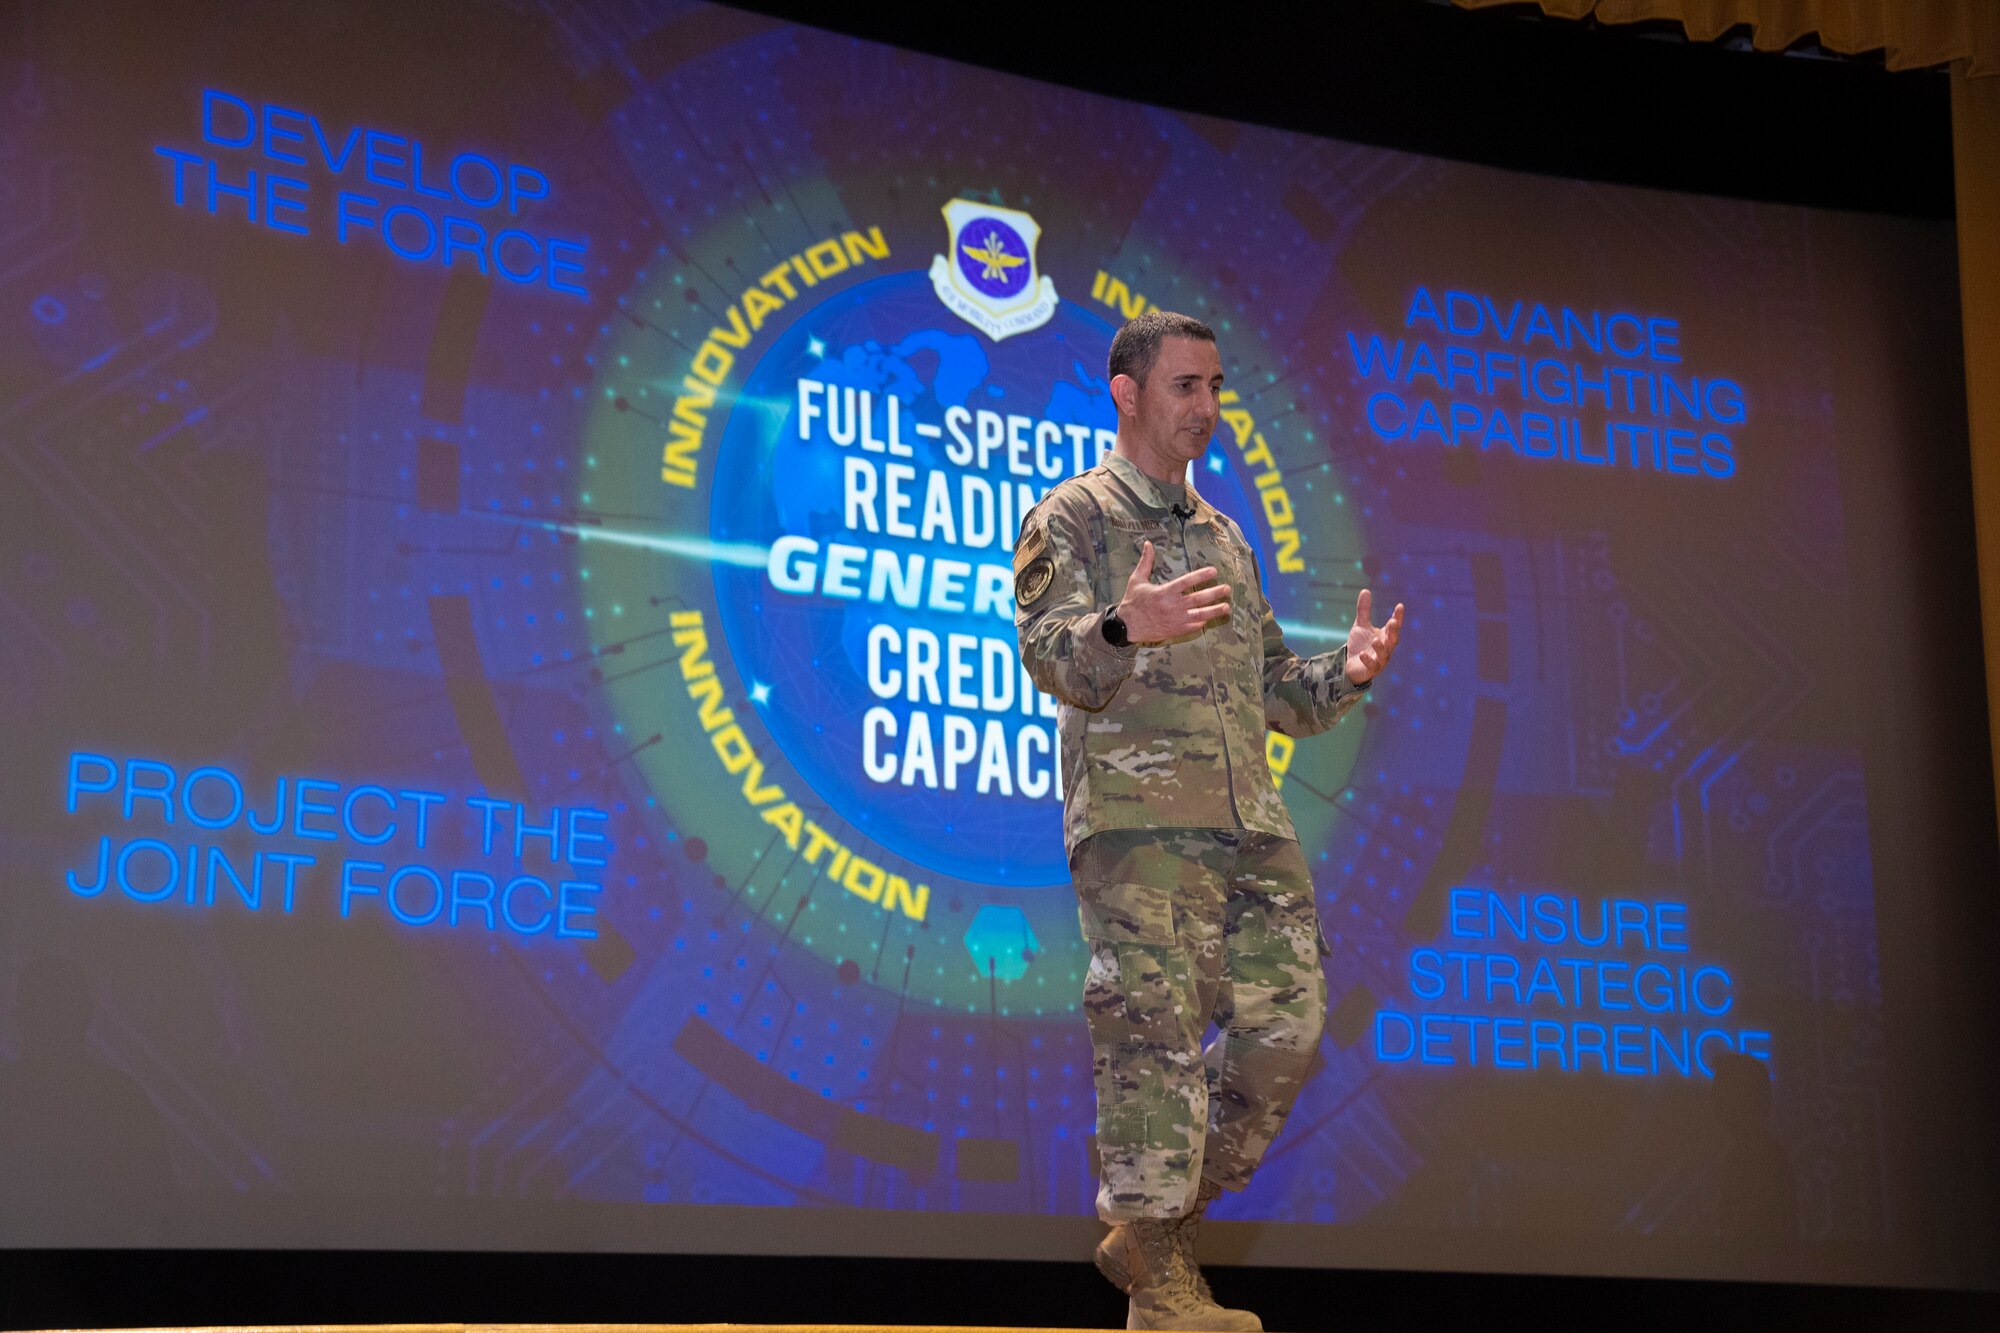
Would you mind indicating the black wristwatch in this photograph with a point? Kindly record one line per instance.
(1113, 629)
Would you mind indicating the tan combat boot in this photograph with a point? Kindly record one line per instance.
(1184, 1238)
(1144, 1260)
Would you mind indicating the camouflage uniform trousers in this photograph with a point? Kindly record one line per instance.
(1185, 925)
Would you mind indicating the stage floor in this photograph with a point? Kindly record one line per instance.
(575, 1327)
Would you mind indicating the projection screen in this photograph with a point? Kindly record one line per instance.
(515, 732)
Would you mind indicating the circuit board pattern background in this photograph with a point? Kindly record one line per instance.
(274, 517)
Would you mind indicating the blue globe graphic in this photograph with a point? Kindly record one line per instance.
(804, 656)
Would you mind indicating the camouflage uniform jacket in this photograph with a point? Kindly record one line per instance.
(1166, 735)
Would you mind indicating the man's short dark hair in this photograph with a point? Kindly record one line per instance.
(1137, 345)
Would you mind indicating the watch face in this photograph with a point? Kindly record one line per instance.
(1114, 630)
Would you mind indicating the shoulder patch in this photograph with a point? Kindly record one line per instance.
(1034, 571)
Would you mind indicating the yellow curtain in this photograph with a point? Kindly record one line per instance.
(1911, 34)
(1975, 133)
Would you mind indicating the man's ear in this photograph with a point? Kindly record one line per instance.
(1125, 393)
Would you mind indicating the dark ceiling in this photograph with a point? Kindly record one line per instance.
(1505, 87)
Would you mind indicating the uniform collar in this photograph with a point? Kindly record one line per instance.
(1149, 492)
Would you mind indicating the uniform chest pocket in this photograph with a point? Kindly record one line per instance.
(1236, 564)
(1125, 541)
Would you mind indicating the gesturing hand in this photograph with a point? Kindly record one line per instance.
(1155, 612)
(1369, 648)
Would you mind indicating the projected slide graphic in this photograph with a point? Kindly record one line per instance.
(510, 638)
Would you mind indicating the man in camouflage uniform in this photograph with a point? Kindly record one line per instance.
(1140, 607)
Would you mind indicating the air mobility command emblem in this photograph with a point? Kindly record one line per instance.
(989, 279)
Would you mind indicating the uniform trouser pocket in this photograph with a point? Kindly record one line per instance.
(1139, 990)
(1272, 1012)
(1143, 1000)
